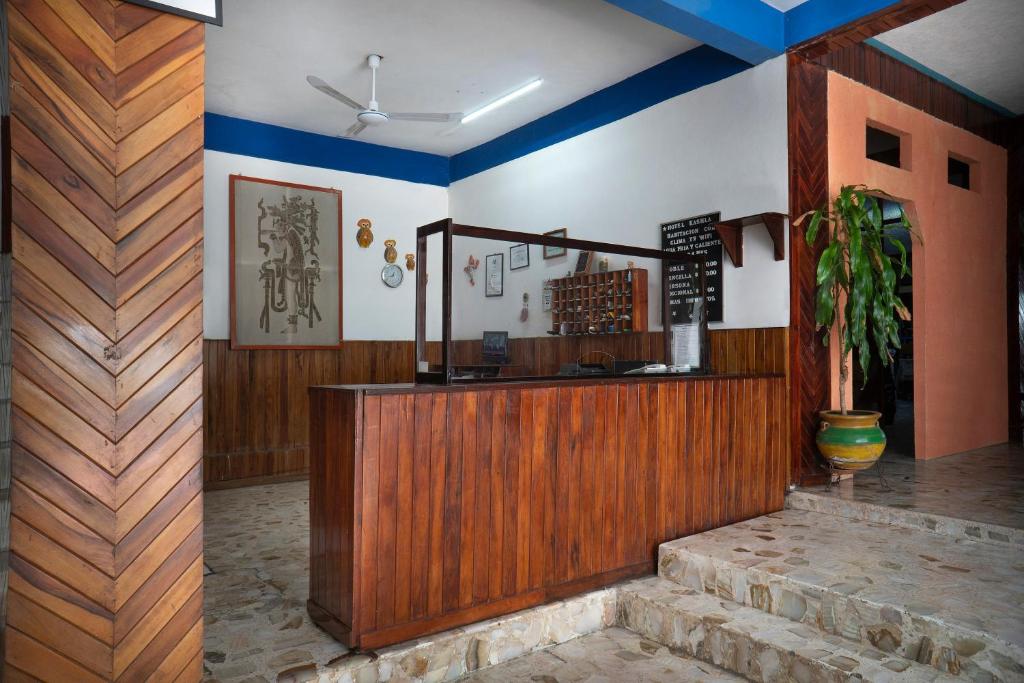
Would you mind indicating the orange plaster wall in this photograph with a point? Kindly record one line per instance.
(959, 275)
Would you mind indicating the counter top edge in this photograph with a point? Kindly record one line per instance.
(383, 389)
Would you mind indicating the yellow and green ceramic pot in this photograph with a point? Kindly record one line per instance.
(853, 441)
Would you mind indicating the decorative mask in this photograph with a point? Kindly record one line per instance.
(364, 236)
(470, 268)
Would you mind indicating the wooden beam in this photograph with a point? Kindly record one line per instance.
(886, 19)
(808, 190)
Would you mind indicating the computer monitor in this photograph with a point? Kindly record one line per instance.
(495, 347)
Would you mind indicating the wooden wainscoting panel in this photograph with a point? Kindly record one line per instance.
(106, 498)
(256, 402)
(256, 408)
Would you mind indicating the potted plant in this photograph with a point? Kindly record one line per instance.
(857, 297)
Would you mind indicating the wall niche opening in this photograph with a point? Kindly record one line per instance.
(883, 146)
(959, 173)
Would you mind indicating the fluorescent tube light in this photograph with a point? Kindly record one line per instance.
(532, 85)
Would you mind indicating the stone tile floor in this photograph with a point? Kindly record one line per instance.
(985, 485)
(257, 552)
(613, 656)
(257, 629)
(957, 585)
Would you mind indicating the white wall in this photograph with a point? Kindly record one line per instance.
(719, 148)
(722, 147)
(371, 309)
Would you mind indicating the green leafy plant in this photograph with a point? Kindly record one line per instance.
(857, 279)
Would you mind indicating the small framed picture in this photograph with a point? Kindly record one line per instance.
(555, 252)
(494, 275)
(209, 11)
(518, 256)
(583, 262)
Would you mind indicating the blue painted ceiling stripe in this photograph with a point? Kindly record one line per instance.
(741, 30)
(738, 34)
(748, 29)
(250, 138)
(680, 74)
(911, 62)
(751, 30)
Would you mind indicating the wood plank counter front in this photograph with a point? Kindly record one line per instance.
(436, 506)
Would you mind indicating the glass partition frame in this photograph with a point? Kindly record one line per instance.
(450, 230)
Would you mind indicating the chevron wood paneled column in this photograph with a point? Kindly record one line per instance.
(808, 190)
(107, 170)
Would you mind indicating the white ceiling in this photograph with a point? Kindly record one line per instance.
(439, 56)
(978, 44)
(784, 5)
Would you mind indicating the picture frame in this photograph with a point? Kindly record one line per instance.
(584, 261)
(285, 265)
(555, 252)
(209, 11)
(519, 256)
(494, 275)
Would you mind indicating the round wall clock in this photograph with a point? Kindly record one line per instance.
(392, 275)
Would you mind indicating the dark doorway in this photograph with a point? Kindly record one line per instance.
(890, 390)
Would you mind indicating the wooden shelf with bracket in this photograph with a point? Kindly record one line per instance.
(731, 234)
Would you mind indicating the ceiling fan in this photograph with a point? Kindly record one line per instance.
(372, 115)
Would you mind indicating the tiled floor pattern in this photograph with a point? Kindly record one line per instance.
(986, 485)
(257, 548)
(614, 655)
(257, 628)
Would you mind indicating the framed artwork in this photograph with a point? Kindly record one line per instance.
(583, 262)
(210, 11)
(494, 275)
(285, 261)
(555, 252)
(518, 256)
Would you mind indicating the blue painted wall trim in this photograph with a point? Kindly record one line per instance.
(911, 62)
(250, 138)
(815, 17)
(680, 74)
(748, 29)
(751, 30)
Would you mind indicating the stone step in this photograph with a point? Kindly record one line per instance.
(758, 646)
(833, 503)
(614, 654)
(954, 604)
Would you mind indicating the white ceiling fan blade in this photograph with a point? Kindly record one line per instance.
(320, 85)
(431, 118)
(355, 129)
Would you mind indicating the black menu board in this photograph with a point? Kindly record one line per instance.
(697, 236)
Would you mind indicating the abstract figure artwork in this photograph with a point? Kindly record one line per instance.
(285, 265)
(470, 269)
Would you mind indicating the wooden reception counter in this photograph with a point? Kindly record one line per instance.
(436, 506)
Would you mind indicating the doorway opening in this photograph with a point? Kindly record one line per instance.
(890, 390)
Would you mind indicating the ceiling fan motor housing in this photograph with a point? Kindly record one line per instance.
(369, 117)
